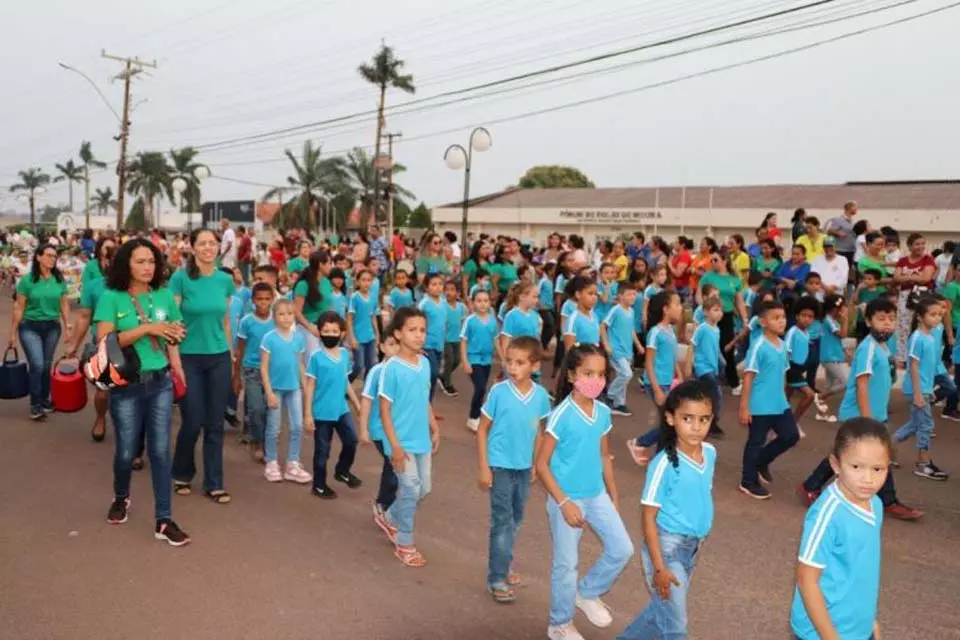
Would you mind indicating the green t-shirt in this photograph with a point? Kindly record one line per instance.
(866, 262)
(297, 265)
(432, 264)
(470, 269)
(90, 295)
(116, 307)
(43, 297)
(203, 304)
(951, 291)
(761, 264)
(91, 272)
(727, 285)
(507, 273)
(866, 296)
(312, 312)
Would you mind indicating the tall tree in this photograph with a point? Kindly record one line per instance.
(30, 181)
(183, 167)
(103, 200)
(421, 217)
(87, 160)
(384, 71)
(71, 172)
(316, 178)
(361, 175)
(150, 177)
(136, 220)
(555, 177)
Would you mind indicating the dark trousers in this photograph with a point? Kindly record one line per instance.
(727, 334)
(322, 436)
(387, 493)
(813, 363)
(480, 377)
(39, 341)
(757, 455)
(434, 356)
(451, 360)
(823, 474)
(560, 350)
(548, 328)
(202, 410)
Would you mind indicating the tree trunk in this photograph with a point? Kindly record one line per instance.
(86, 196)
(376, 151)
(33, 214)
(70, 194)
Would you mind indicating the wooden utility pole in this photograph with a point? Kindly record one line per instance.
(131, 67)
(389, 137)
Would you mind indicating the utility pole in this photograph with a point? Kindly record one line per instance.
(390, 137)
(131, 67)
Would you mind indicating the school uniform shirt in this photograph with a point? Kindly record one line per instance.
(480, 334)
(843, 540)
(706, 350)
(479, 287)
(339, 304)
(698, 316)
(203, 304)
(756, 331)
(515, 420)
(568, 307)
(683, 493)
(43, 297)
(116, 307)
(749, 295)
(769, 362)
(872, 359)
(363, 308)
(619, 323)
(831, 345)
(518, 323)
(560, 284)
(400, 298)
(923, 348)
(583, 327)
(330, 371)
(545, 293)
(577, 463)
(407, 387)
(638, 314)
(235, 313)
(610, 289)
(798, 345)
(937, 333)
(663, 340)
(651, 291)
(375, 294)
(436, 312)
(90, 294)
(252, 329)
(455, 314)
(370, 387)
(286, 354)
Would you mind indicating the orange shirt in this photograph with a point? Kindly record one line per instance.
(699, 262)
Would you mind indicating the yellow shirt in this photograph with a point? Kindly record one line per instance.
(622, 264)
(741, 262)
(814, 247)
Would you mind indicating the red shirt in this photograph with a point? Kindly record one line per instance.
(399, 249)
(681, 262)
(244, 249)
(278, 257)
(907, 266)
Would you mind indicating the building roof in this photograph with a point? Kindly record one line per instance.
(907, 195)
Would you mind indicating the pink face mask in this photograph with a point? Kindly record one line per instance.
(590, 387)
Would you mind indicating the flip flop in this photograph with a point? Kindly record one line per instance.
(501, 593)
(409, 556)
(182, 488)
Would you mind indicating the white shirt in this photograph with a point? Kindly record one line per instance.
(861, 247)
(943, 267)
(455, 251)
(834, 272)
(228, 259)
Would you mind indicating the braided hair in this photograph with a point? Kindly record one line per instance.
(689, 391)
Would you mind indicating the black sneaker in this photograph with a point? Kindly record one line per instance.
(621, 410)
(231, 419)
(755, 490)
(37, 413)
(765, 476)
(325, 492)
(951, 415)
(930, 471)
(48, 407)
(168, 530)
(449, 390)
(118, 511)
(348, 479)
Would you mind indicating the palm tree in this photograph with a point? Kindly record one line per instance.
(384, 72)
(151, 178)
(316, 179)
(71, 172)
(183, 167)
(103, 200)
(361, 176)
(31, 180)
(88, 160)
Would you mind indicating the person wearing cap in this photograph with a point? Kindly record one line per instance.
(832, 267)
(813, 240)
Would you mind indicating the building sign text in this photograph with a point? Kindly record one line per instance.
(606, 216)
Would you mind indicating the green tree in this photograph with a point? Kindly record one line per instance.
(183, 167)
(401, 213)
(555, 177)
(103, 200)
(30, 181)
(317, 179)
(87, 160)
(361, 175)
(421, 217)
(50, 213)
(71, 172)
(150, 177)
(384, 71)
(136, 221)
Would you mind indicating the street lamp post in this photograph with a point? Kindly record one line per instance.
(456, 157)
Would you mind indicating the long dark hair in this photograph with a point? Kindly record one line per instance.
(689, 391)
(573, 360)
(193, 271)
(656, 306)
(35, 265)
(921, 309)
(561, 268)
(119, 277)
(475, 253)
(99, 246)
(310, 274)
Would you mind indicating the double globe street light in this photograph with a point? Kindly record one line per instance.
(179, 184)
(456, 157)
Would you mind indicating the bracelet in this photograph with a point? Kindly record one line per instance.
(563, 502)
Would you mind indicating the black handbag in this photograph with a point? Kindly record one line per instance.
(14, 377)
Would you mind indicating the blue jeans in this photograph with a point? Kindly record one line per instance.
(666, 619)
(138, 410)
(604, 520)
(480, 377)
(387, 494)
(39, 341)
(508, 499)
(434, 356)
(756, 454)
(292, 401)
(946, 387)
(414, 482)
(322, 437)
(920, 424)
(618, 387)
(714, 382)
(364, 357)
(254, 404)
(201, 410)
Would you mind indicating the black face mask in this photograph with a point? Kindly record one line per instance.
(881, 336)
(330, 341)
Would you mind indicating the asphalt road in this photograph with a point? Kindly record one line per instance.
(278, 563)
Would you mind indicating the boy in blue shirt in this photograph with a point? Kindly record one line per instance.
(456, 311)
(507, 438)
(707, 358)
(246, 367)
(619, 339)
(435, 311)
(800, 350)
(763, 404)
(477, 339)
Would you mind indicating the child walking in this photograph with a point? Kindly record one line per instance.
(401, 295)
(246, 368)
(677, 510)
(281, 368)
(619, 340)
(435, 311)
(508, 435)
(476, 350)
(798, 352)
(548, 320)
(327, 392)
(575, 468)
(362, 332)
(832, 355)
(451, 350)
(371, 430)
(707, 358)
(582, 326)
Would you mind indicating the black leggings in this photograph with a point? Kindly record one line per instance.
(727, 334)
(548, 328)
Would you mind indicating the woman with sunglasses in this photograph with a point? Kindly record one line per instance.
(431, 259)
(729, 286)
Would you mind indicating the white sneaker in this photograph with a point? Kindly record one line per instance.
(596, 612)
(736, 391)
(296, 473)
(820, 404)
(271, 471)
(564, 632)
(473, 424)
(826, 417)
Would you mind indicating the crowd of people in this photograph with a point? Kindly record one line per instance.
(309, 327)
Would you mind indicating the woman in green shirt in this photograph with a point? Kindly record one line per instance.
(729, 287)
(873, 246)
(431, 259)
(312, 295)
(144, 315)
(503, 273)
(302, 259)
(40, 314)
(479, 257)
(767, 263)
(203, 293)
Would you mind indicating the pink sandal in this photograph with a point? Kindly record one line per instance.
(409, 556)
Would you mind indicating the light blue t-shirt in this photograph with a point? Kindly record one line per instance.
(577, 463)
(831, 346)
(798, 345)
(515, 420)
(560, 284)
(363, 308)
(706, 350)
(252, 330)
(756, 330)
(749, 295)
(286, 355)
(235, 311)
(480, 334)
(407, 387)
(663, 341)
(485, 286)
(436, 312)
(651, 291)
(638, 313)
(683, 493)
(769, 362)
(339, 304)
(400, 298)
(518, 323)
(937, 333)
(698, 316)
(330, 371)
(843, 540)
(619, 322)
(923, 348)
(545, 293)
(870, 359)
(610, 290)
(568, 307)
(583, 327)
(370, 387)
(455, 314)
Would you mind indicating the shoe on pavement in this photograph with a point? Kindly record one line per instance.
(820, 404)
(597, 613)
(473, 424)
(348, 479)
(380, 519)
(930, 471)
(324, 492)
(826, 417)
(118, 511)
(901, 511)
(621, 410)
(736, 391)
(449, 390)
(271, 471)
(808, 497)
(296, 473)
(765, 476)
(563, 632)
(755, 490)
(168, 530)
(37, 413)
(951, 415)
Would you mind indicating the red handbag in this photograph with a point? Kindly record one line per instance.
(179, 384)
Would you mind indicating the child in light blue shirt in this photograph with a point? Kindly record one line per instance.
(456, 312)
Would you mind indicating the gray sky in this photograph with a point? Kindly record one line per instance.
(872, 107)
